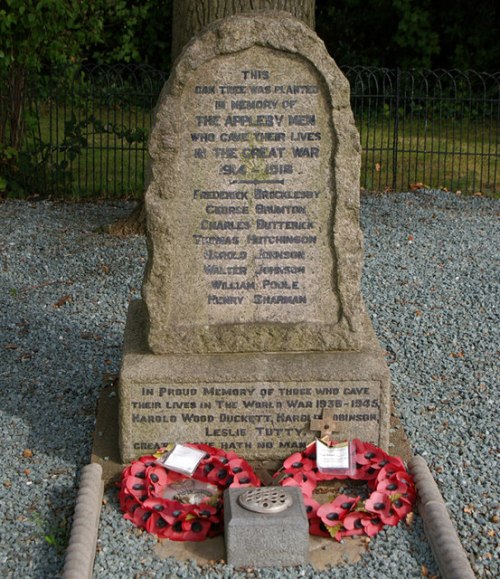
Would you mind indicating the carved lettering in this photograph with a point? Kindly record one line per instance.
(261, 414)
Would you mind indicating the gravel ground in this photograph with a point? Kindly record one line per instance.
(430, 283)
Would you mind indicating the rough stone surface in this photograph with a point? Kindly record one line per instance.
(252, 323)
(259, 404)
(265, 540)
(253, 235)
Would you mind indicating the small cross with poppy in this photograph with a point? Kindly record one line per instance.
(325, 425)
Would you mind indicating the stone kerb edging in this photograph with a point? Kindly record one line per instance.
(80, 554)
(444, 541)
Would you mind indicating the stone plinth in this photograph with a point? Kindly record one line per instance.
(258, 404)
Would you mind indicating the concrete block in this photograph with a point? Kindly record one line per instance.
(266, 540)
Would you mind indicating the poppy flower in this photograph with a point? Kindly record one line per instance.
(148, 460)
(311, 506)
(380, 504)
(157, 477)
(372, 525)
(138, 516)
(244, 479)
(126, 500)
(310, 452)
(242, 471)
(237, 465)
(155, 523)
(154, 504)
(220, 475)
(407, 479)
(195, 529)
(399, 482)
(318, 528)
(298, 463)
(353, 524)
(334, 512)
(174, 511)
(205, 511)
(368, 454)
(128, 505)
(175, 532)
(137, 487)
(391, 486)
(392, 468)
(306, 482)
(401, 506)
(137, 469)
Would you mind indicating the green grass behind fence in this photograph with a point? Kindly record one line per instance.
(92, 152)
(445, 154)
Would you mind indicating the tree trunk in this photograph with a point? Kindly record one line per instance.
(133, 224)
(189, 17)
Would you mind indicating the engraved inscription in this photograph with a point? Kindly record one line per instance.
(259, 150)
(262, 416)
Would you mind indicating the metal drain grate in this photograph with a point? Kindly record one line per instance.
(265, 500)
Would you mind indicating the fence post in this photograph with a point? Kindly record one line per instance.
(396, 130)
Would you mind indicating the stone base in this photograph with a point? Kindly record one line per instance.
(265, 540)
(257, 404)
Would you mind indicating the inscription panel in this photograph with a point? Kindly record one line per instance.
(256, 201)
(267, 419)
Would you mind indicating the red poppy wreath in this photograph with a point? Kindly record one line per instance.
(392, 495)
(177, 507)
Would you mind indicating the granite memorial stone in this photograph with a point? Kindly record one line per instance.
(252, 322)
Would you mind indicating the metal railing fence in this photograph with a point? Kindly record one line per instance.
(425, 128)
(88, 133)
(89, 130)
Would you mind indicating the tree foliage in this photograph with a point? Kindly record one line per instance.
(135, 32)
(389, 33)
(411, 33)
(34, 34)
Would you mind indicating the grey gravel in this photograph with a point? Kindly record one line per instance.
(430, 283)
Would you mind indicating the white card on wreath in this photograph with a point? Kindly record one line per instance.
(336, 458)
(182, 459)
